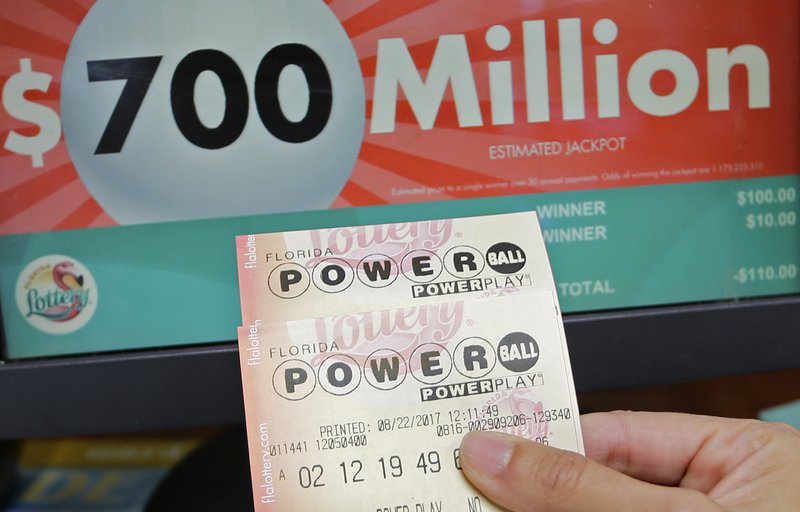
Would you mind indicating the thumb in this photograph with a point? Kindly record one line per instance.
(521, 475)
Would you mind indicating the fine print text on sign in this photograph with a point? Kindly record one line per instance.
(417, 349)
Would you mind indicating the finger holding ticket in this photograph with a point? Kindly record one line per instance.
(367, 353)
(643, 461)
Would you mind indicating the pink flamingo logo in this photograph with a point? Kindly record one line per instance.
(62, 304)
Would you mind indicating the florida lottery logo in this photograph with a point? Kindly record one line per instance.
(56, 294)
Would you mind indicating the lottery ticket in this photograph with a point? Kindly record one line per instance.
(366, 411)
(368, 352)
(321, 272)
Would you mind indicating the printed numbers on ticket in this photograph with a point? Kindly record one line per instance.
(365, 411)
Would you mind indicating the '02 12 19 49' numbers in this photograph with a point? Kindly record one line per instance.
(356, 471)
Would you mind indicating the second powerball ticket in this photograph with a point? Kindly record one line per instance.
(366, 411)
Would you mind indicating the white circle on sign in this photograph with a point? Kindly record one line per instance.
(605, 31)
(152, 172)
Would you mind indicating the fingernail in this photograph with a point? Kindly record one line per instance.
(487, 453)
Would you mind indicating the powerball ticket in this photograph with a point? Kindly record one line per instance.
(365, 411)
(322, 272)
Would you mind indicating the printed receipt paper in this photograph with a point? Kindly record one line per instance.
(368, 352)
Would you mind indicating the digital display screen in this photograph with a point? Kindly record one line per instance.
(658, 142)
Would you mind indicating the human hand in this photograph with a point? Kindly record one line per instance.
(639, 461)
